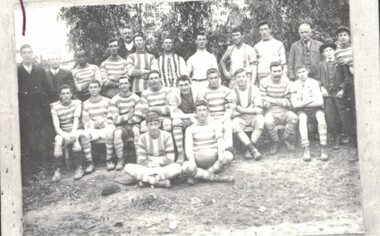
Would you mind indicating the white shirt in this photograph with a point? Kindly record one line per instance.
(199, 63)
(28, 68)
(129, 46)
(244, 97)
(267, 52)
(54, 71)
(242, 57)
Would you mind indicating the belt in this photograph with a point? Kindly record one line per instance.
(199, 80)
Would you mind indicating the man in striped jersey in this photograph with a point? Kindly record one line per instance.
(140, 64)
(307, 100)
(155, 156)
(219, 99)
(126, 111)
(170, 64)
(97, 125)
(83, 73)
(275, 95)
(112, 69)
(247, 112)
(65, 114)
(156, 99)
(205, 148)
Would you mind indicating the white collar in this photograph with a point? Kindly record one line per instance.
(129, 46)
(332, 59)
(54, 71)
(28, 68)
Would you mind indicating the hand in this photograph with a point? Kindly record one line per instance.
(324, 92)
(66, 137)
(221, 158)
(239, 108)
(73, 137)
(340, 94)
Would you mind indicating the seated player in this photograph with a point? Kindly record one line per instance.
(220, 103)
(275, 95)
(182, 111)
(205, 148)
(156, 99)
(65, 114)
(307, 100)
(247, 112)
(155, 156)
(126, 111)
(97, 124)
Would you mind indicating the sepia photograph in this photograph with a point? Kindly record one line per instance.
(229, 117)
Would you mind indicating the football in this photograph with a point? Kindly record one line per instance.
(205, 159)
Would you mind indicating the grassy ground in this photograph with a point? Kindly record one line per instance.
(279, 195)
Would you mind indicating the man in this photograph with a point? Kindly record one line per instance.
(205, 148)
(112, 69)
(126, 111)
(97, 125)
(247, 112)
(57, 77)
(155, 156)
(170, 65)
(304, 52)
(307, 100)
(219, 99)
(182, 112)
(199, 63)
(66, 113)
(34, 113)
(240, 55)
(275, 95)
(156, 99)
(83, 73)
(268, 50)
(140, 64)
(127, 46)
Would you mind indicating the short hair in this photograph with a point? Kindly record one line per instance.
(201, 102)
(111, 40)
(65, 86)
(152, 117)
(264, 22)
(301, 67)
(200, 32)
(154, 72)
(139, 34)
(304, 24)
(24, 46)
(211, 71)
(94, 81)
(238, 71)
(237, 29)
(275, 64)
(183, 78)
(79, 50)
(54, 54)
(124, 77)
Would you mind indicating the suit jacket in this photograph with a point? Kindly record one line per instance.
(123, 51)
(56, 81)
(296, 58)
(336, 83)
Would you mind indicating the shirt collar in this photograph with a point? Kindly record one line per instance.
(28, 68)
(54, 71)
(330, 60)
(306, 44)
(129, 46)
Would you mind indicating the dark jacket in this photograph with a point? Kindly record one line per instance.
(56, 81)
(123, 51)
(336, 84)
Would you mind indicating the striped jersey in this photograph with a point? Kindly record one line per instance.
(149, 148)
(120, 105)
(82, 76)
(204, 137)
(171, 67)
(151, 98)
(250, 96)
(343, 54)
(271, 91)
(219, 100)
(95, 110)
(67, 113)
(113, 69)
(137, 61)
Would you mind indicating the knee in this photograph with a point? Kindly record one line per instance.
(260, 122)
(76, 146)
(321, 117)
(58, 140)
(302, 119)
(177, 122)
(188, 169)
(227, 158)
(269, 121)
(118, 133)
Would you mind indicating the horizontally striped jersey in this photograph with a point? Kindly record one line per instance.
(343, 54)
(158, 98)
(96, 110)
(121, 106)
(67, 113)
(149, 148)
(113, 69)
(250, 96)
(171, 67)
(275, 91)
(219, 100)
(203, 137)
(82, 76)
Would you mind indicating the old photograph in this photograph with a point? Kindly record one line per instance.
(213, 117)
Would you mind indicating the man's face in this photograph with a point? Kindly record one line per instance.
(242, 79)
(343, 37)
(153, 127)
(54, 61)
(276, 73)
(154, 81)
(213, 80)
(168, 45)
(127, 35)
(201, 113)
(113, 48)
(124, 85)
(65, 95)
(265, 32)
(81, 58)
(27, 55)
(237, 38)
(201, 41)
(305, 33)
(328, 53)
(139, 43)
(302, 74)
(184, 87)
(94, 89)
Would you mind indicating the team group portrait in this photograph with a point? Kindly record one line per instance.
(191, 118)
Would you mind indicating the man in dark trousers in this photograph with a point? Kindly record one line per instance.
(34, 113)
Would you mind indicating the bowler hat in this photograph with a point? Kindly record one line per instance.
(343, 29)
(327, 45)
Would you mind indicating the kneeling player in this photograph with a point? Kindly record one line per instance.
(155, 156)
(205, 148)
(66, 113)
(97, 124)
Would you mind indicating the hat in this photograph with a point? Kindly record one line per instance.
(327, 45)
(343, 29)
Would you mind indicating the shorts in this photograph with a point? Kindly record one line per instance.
(97, 134)
(310, 112)
(240, 123)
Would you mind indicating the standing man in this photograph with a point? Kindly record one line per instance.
(239, 55)
(112, 69)
(275, 95)
(57, 77)
(199, 63)
(170, 65)
(83, 73)
(127, 47)
(247, 112)
(34, 113)
(268, 50)
(304, 52)
(140, 64)
(307, 100)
